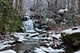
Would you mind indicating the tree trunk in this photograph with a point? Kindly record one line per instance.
(34, 6)
(20, 6)
(16, 8)
(56, 6)
(68, 4)
(48, 5)
(72, 4)
(37, 6)
(79, 6)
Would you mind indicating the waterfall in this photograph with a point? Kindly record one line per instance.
(28, 25)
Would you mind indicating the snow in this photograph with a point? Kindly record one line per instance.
(34, 34)
(49, 38)
(38, 50)
(70, 31)
(37, 29)
(44, 49)
(49, 49)
(20, 36)
(62, 10)
(21, 39)
(4, 46)
(57, 36)
(36, 38)
(77, 51)
(8, 51)
(55, 50)
(6, 42)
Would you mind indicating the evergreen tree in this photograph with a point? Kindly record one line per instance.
(9, 22)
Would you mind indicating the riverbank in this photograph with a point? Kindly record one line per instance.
(34, 42)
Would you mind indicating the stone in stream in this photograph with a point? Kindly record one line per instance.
(43, 44)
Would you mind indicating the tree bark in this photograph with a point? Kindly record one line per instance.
(68, 4)
(56, 6)
(79, 6)
(48, 5)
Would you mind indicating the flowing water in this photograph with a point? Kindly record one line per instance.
(26, 45)
(31, 43)
(28, 25)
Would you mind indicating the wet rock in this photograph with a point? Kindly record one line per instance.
(27, 35)
(43, 44)
(74, 28)
(28, 51)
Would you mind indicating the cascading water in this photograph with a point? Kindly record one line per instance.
(28, 25)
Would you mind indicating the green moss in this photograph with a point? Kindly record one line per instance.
(9, 21)
(71, 39)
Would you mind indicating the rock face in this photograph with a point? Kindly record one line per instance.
(72, 37)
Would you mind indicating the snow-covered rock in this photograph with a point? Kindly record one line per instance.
(56, 36)
(38, 50)
(34, 34)
(8, 51)
(55, 50)
(44, 49)
(70, 31)
(4, 46)
(77, 51)
(49, 49)
(62, 10)
(21, 38)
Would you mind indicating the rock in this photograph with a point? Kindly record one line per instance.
(43, 44)
(72, 40)
(8, 51)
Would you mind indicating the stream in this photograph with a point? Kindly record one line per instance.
(30, 44)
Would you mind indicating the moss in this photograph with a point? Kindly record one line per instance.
(71, 39)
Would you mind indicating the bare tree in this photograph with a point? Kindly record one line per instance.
(68, 4)
(56, 6)
(20, 6)
(48, 4)
(79, 5)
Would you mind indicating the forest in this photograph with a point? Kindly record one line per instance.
(39, 26)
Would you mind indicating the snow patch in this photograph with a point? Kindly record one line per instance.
(70, 31)
(57, 36)
(77, 52)
(4, 46)
(8, 51)
(38, 50)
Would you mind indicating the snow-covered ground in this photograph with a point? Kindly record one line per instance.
(49, 40)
